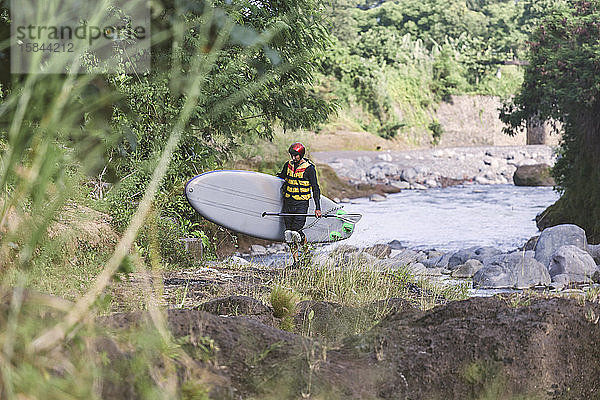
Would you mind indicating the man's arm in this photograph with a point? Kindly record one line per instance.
(283, 172)
(311, 174)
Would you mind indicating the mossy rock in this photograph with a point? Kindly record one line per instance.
(533, 175)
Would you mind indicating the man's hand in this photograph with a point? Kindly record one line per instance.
(318, 213)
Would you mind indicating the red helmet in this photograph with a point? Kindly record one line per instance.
(297, 148)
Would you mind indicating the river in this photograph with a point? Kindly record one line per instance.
(452, 218)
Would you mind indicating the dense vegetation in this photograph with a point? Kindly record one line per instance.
(394, 61)
(562, 84)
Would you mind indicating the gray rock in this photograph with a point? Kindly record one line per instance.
(377, 197)
(417, 269)
(485, 252)
(376, 173)
(422, 270)
(437, 261)
(556, 236)
(379, 250)
(388, 168)
(511, 271)
(396, 245)
(385, 157)
(468, 269)
(355, 174)
(594, 250)
(460, 257)
(560, 281)
(529, 253)
(408, 174)
(418, 186)
(258, 250)
(477, 253)
(402, 185)
(364, 160)
(530, 245)
(235, 260)
(571, 260)
(408, 256)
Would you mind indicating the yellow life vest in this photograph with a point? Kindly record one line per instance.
(297, 185)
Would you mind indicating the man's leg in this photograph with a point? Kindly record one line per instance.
(299, 238)
(289, 208)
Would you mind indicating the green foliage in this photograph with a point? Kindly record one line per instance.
(436, 132)
(562, 85)
(266, 61)
(447, 76)
(396, 60)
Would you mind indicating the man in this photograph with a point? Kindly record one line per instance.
(300, 177)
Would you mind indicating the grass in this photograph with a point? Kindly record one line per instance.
(352, 280)
(284, 302)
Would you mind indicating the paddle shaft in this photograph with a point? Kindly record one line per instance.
(310, 215)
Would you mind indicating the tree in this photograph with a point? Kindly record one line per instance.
(262, 57)
(562, 83)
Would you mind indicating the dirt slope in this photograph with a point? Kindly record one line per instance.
(478, 348)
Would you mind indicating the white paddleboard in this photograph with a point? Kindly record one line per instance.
(238, 200)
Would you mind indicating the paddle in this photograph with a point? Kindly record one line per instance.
(352, 218)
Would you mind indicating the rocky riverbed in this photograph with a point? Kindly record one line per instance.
(560, 258)
(427, 168)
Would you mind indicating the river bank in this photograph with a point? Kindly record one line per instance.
(430, 168)
(338, 332)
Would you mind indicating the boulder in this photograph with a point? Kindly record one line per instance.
(560, 281)
(396, 245)
(472, 253)
(571, 260)
(594, 250)
(402, 185)
(533, 175)
(418, 269)
(440, 261)
(408, 256)
(408, 174)
(530, 245)
(468, 269)
(513, 270)
(460, 257)
(556, 236)
(377, 197)
(379, 250)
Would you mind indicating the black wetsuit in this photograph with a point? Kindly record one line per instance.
(300, 179)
